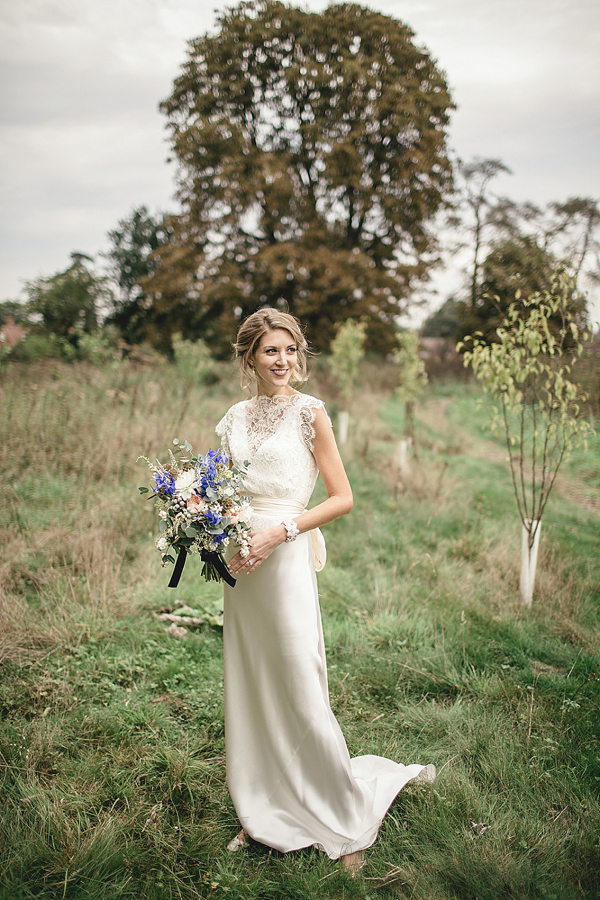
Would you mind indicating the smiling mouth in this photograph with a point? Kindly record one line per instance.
(279, 371)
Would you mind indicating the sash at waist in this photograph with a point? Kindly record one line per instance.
(284, 507)
(276, 506)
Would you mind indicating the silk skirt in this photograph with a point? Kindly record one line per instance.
(289, 772)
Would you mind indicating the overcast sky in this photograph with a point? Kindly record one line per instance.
(82, 141)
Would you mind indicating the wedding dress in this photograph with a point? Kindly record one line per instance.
(289, 772)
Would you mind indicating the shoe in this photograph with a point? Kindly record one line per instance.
(239, 841)
(425, 776)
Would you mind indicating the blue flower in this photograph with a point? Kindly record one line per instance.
(212, 518)
(165, 483)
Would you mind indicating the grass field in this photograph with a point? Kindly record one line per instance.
(111, 738)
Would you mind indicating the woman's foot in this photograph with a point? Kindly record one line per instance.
(353, 862)
(239, 841)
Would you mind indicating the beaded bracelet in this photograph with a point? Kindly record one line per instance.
(291, 529)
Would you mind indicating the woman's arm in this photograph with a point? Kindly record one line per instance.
(339, 499)
(339, 493)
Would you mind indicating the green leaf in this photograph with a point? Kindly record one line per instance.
(143, 490)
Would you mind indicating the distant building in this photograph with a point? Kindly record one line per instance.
(11, 333)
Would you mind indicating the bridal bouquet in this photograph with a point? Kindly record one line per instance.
(201, 507)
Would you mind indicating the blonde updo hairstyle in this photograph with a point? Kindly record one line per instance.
(254, 328)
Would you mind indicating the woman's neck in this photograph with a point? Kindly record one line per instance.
(275, 393)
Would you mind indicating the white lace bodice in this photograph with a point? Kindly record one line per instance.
(275, 435)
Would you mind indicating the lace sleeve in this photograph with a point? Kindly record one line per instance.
(308, 411)
(223, 429)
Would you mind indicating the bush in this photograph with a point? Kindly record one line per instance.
(39, 345)
(193, 360)
(101, 347)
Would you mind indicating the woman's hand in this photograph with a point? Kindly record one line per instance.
(262, 543)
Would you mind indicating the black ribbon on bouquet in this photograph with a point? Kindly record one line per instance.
(207, 557)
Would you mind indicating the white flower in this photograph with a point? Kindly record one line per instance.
(162, 514)
(185, 483)
(162, 543)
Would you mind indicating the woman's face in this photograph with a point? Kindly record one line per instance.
(274, 361)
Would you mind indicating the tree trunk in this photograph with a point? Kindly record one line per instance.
(409, 420)
(529, 559)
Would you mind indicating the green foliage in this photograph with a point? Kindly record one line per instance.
(101, 347)
(68, 300)
(13, 309)
(317, 142)
(347, 350)
(193, 360)
(5, 353)
(412, 374)
(513, 265)
(528, 372)
(443, 322)
(38, 345)
(131, 256)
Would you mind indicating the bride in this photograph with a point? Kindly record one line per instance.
(289, 772)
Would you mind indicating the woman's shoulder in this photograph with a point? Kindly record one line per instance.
(231, 414)
(308, 407)
(238, 407)
(307, 401)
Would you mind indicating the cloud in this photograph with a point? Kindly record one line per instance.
(83, 141)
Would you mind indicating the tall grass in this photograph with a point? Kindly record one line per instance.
(111, 742)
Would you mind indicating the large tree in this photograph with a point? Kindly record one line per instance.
(570, 230)
(481, 215)
(68, 301)
(312, 156)
(132, 245)
(514, 270)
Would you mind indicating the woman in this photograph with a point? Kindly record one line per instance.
(289, 773)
